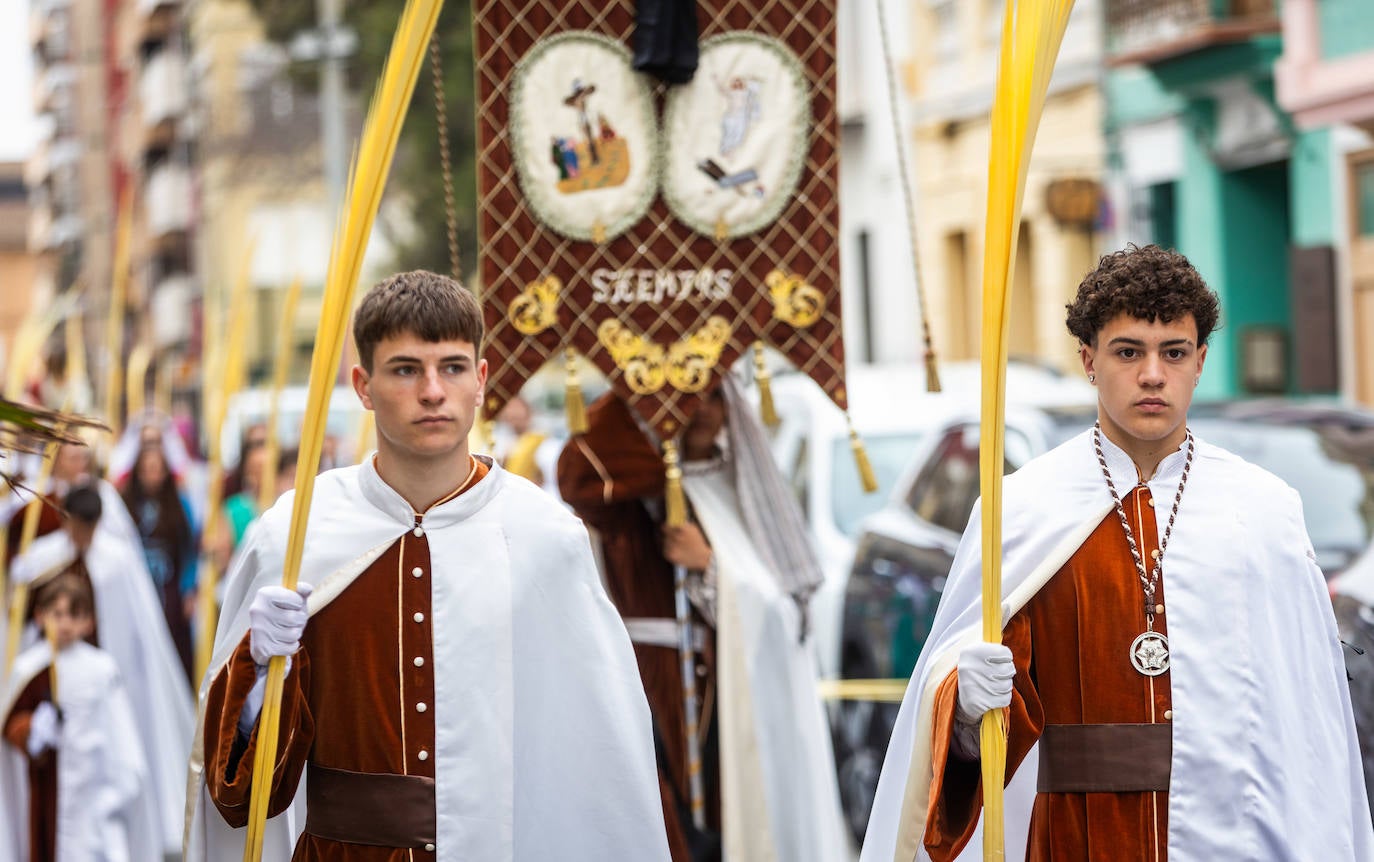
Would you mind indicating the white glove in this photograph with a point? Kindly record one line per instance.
(276, 620)
(44, 729)
(986, 671)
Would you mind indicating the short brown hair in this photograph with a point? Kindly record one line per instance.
(1149, 283)
(431, 306)
(71, 584)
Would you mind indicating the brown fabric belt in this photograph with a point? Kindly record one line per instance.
(377, 809)
(1105, 758)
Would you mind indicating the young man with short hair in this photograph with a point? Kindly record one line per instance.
(1173, 680)
(459, 687)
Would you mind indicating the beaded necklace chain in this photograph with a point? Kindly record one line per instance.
(1150, 651)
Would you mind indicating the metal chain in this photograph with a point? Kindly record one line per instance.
(907, 191)
(436, 69)
(1147, 582)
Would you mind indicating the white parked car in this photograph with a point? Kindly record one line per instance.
(893, 413)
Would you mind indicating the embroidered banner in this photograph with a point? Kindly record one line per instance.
(660, 231)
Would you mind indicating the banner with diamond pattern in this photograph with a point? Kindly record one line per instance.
(659, 231)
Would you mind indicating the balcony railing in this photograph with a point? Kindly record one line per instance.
(168, 201)
(1153, 30)
(162, 88)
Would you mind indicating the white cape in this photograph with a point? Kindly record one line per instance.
(1265, 759)
(133, 631)
(780, 802)
(543, 744)
(104, 813)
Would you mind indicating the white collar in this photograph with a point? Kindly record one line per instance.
(1124, 473)
(387, 500)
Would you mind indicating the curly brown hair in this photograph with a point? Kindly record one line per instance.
(1146, 282)
(431, 306)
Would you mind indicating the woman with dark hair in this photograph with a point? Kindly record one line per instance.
(163, 517)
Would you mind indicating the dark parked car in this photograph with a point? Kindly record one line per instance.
(905, 550)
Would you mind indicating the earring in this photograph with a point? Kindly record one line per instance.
(1197, 380)
(1092, 378)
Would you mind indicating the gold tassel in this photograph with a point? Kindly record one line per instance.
(573, 401)
(768, 412)
(932, 372)
(675, 502)
(866, 476)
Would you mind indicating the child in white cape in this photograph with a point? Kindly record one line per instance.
(82, 794)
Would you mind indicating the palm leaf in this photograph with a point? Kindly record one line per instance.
(25, 428)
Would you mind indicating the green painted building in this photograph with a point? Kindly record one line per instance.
(1325, 80)
(1206, 161)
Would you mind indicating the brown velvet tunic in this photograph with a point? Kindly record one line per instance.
(49, 521)
(42, 769)
(358, 698)
(611, 476)
(1071, 647)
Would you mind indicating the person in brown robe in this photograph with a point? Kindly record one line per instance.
(385, 709)
(1083, 668)
(614, 480)
(346, 673)
(1082, 613)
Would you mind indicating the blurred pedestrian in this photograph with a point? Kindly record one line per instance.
(768, 778)
(162, 513)
(523, 449)
(130, 626)
(85, 789)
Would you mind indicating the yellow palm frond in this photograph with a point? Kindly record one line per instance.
(368, 179)
(1032, 31)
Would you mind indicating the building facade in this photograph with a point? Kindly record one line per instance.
(1207, 160)
(26, 278)
(954, 76)
(1325, 79)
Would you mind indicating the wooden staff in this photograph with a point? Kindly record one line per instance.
(281, 365)
(230, 376)
(114, 325)
(136, 382)
(1031, 34)
(50, 632)
(19, 602)
(371, 166)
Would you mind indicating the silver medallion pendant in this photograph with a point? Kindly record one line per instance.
(1150, 653)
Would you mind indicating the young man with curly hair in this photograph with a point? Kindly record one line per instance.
(459, 686)
(1170, 672)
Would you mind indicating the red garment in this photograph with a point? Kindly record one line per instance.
(42, 769)
(350, 701)
(49, 521)
(608, 475)
(1071, 646)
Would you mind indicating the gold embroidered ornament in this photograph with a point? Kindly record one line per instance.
(536, 308)
(794, 301)
(664, 264)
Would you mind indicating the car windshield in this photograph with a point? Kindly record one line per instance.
(1336, 485)
(1330, 470)
(889, 454)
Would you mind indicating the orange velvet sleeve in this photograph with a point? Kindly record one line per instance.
(229, 757)
(956, 790)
